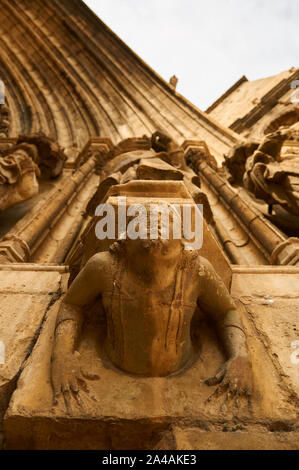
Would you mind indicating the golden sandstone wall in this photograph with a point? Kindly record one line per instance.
(70, 78)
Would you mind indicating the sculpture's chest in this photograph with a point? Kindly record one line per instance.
(131, 300)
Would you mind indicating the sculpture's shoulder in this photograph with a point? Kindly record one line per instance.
(101, 261)
(205, 270)
(96, 274)
(198, 264)
(197, 267)
(200, 275)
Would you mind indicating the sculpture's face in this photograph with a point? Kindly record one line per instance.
(158, 249)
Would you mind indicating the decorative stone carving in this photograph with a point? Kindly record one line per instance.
(134, 159)
(86, 83)
(234, 165)
(4, 120)
(262, 171)
(50, 156)
(173, 81)
(19, 243)
(149, 333)
(18, 175)
(21, 165)
(140, 162)
(197, 152)
(98, 148)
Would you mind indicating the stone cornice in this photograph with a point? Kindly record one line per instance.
(268, 101)
(227, 93)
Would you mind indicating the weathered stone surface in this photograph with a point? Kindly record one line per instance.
(18, 176)
(125, 403)
(145, 192)
(50, 54)
(272, 305)
(250, 107)
(264, 173)
(4, 120)
(233, 439)
(24, 300)
(131, 100)
(22, 164)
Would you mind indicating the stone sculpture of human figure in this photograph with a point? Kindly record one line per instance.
(149, 290)
(18, 175)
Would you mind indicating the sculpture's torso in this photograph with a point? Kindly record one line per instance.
(148, 328)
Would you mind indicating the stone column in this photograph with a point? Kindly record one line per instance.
(272, 243)
(31, 231)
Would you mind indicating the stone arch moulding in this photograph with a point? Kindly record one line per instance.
(287, 118)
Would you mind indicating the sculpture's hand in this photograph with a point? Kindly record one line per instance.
(67, 377)
(234, 377)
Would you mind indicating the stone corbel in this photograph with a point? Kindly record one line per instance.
(286, 253)
(13, 249)
(196, 152)
(97, 148)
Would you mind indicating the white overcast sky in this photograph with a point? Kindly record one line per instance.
(207, 44)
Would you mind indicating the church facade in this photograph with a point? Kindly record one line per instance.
(83, 121)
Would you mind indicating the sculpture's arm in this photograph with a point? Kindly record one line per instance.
(66, 371)
(215, 300)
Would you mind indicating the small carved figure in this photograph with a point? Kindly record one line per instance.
(33, 157)
(149, 290)
(262, 171)
(18, 175)
(50, 156)
(173, 81)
